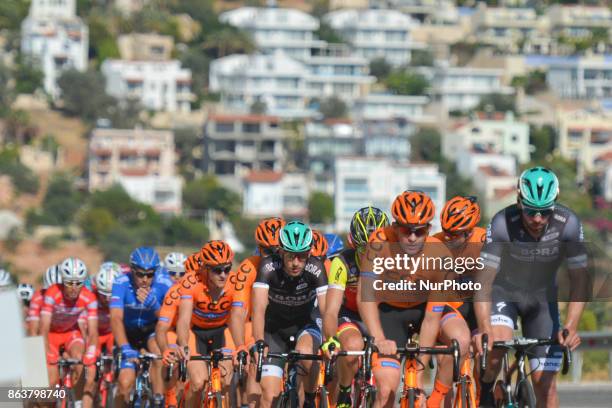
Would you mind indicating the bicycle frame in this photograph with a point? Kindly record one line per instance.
(213, 391)
(104, 377)
(143, 388)
(465, 396)
(65, 375)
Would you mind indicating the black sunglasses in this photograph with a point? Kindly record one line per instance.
(532, 212)
(179, 274)
(144, 274)
(219, 270)
(417, 231)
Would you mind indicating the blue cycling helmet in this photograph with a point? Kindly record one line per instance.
(145, 258)
(335, 244)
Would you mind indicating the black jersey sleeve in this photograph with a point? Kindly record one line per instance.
(315, 268)
(265, 272)
(573, 239)
(497, 235)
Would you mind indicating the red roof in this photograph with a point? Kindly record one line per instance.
(605, 157)
(219, 117)
(264, 176)
(491, 116)
(136, 171)
(338, 121)
(493, 171)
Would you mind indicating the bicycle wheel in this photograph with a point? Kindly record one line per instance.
(526, 395)
(109, 395)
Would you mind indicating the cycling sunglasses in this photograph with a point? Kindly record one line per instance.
(141, 273)
(532, 212)
(419, 231)
(220, 270)
(178, 274)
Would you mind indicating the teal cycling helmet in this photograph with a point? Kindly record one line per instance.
(296, 237)
(538, 187)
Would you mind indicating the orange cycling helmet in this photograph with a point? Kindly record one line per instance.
(193, 262)
(319, 244)
(267, 232)
(413, 207)
(460, 214)
(215, 253)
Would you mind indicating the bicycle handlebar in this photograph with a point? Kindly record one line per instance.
(290, 356)
(412, 351)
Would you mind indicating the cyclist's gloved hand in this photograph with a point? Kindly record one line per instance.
(128, 353)
(330, 341)
(89, 357)
(151, 301)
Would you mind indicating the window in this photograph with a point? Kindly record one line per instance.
(223, 127)
(355, 185)
(251, 127)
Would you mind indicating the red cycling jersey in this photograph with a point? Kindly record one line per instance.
(36, 305)
(64, 312)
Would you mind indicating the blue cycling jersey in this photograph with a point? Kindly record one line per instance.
(135, 314)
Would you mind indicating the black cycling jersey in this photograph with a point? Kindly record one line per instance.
(290, 298)
(524, 261)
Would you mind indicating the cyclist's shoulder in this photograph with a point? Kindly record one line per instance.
(315, 266)
(53, 291)
(383, 234)
(162, 279)
(122, 280)
(435, 247)
(250, 263)
(478, 235)
(565, 214)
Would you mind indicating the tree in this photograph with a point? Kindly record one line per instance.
(403, 82)
(12, 13)
(321, 208)
(380, 68)
(327, 33)
(102, 41)
(497, 103)
(6, 94)
(532, 83)
(186, 141)
(258, 107)
(96, 223)
(333, 107)
(205, 193)
(62, 200)
(125, 114)
(426, 145)
(180, 231)
(84, 95)
(23, 178)
(542, 138)
(422, 58)
(228, 40)
(126, 210)
(198, 62)
(28, 76)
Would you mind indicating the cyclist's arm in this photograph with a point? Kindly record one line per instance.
(368, 311)
(429, 328)
(184, 321)
(45, 326)
(161, 331)
(33, 327)
(237, 320)
(580, 279)
(117, 326)
(259, 304)
(338, 276)
(92, 328)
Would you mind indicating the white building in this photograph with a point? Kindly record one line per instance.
(364, 181)
(578, 21)
(377, 106)
(326, 140)
(387, 138)
(460, 88)
(587, 77)
(496, 189)
(158, 85)
(273, 29)
(56, 38)
(489, 133)
(142, 161)
(276, 80)
(268, 193)
(469, 163)
(439, 12)
(375, 33)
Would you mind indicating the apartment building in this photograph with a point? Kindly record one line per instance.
(361, 181)
(142, 161)
(145, 47)
(585, 136)
(581, 78)
(376, 33)
(379, 106)
(578, 21)
(157, 85)
(269, 193)
(277, 29)
(235, 145)
(494, 132)
(56, 39)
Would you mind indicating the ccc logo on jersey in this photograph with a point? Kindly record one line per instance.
(172, 297)
(239, 278)
(214, 306)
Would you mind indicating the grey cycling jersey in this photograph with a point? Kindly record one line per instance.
(524, 261)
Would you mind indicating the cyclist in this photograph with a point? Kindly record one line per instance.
(165, 330)
(63, 305)
(25, 291)
(335, 245)
(343, 326)
(103, 288)
(204, 310)
(319, 248)
(51, 277)
(267, 236)
(388, 320)
(134, 307)
(175, 265)
(525, 245)
(284, 294)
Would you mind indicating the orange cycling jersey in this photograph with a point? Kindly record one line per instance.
(243, 281)
(471, 249)
(432, 253)
(208, 313)
(168, 313)
(65, 312)
(36, 304)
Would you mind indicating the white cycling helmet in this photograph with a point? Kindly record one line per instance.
(25, 291)
(175, 262)
(52, 276)
(105, 277)
(5, 278)
(73, 269)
